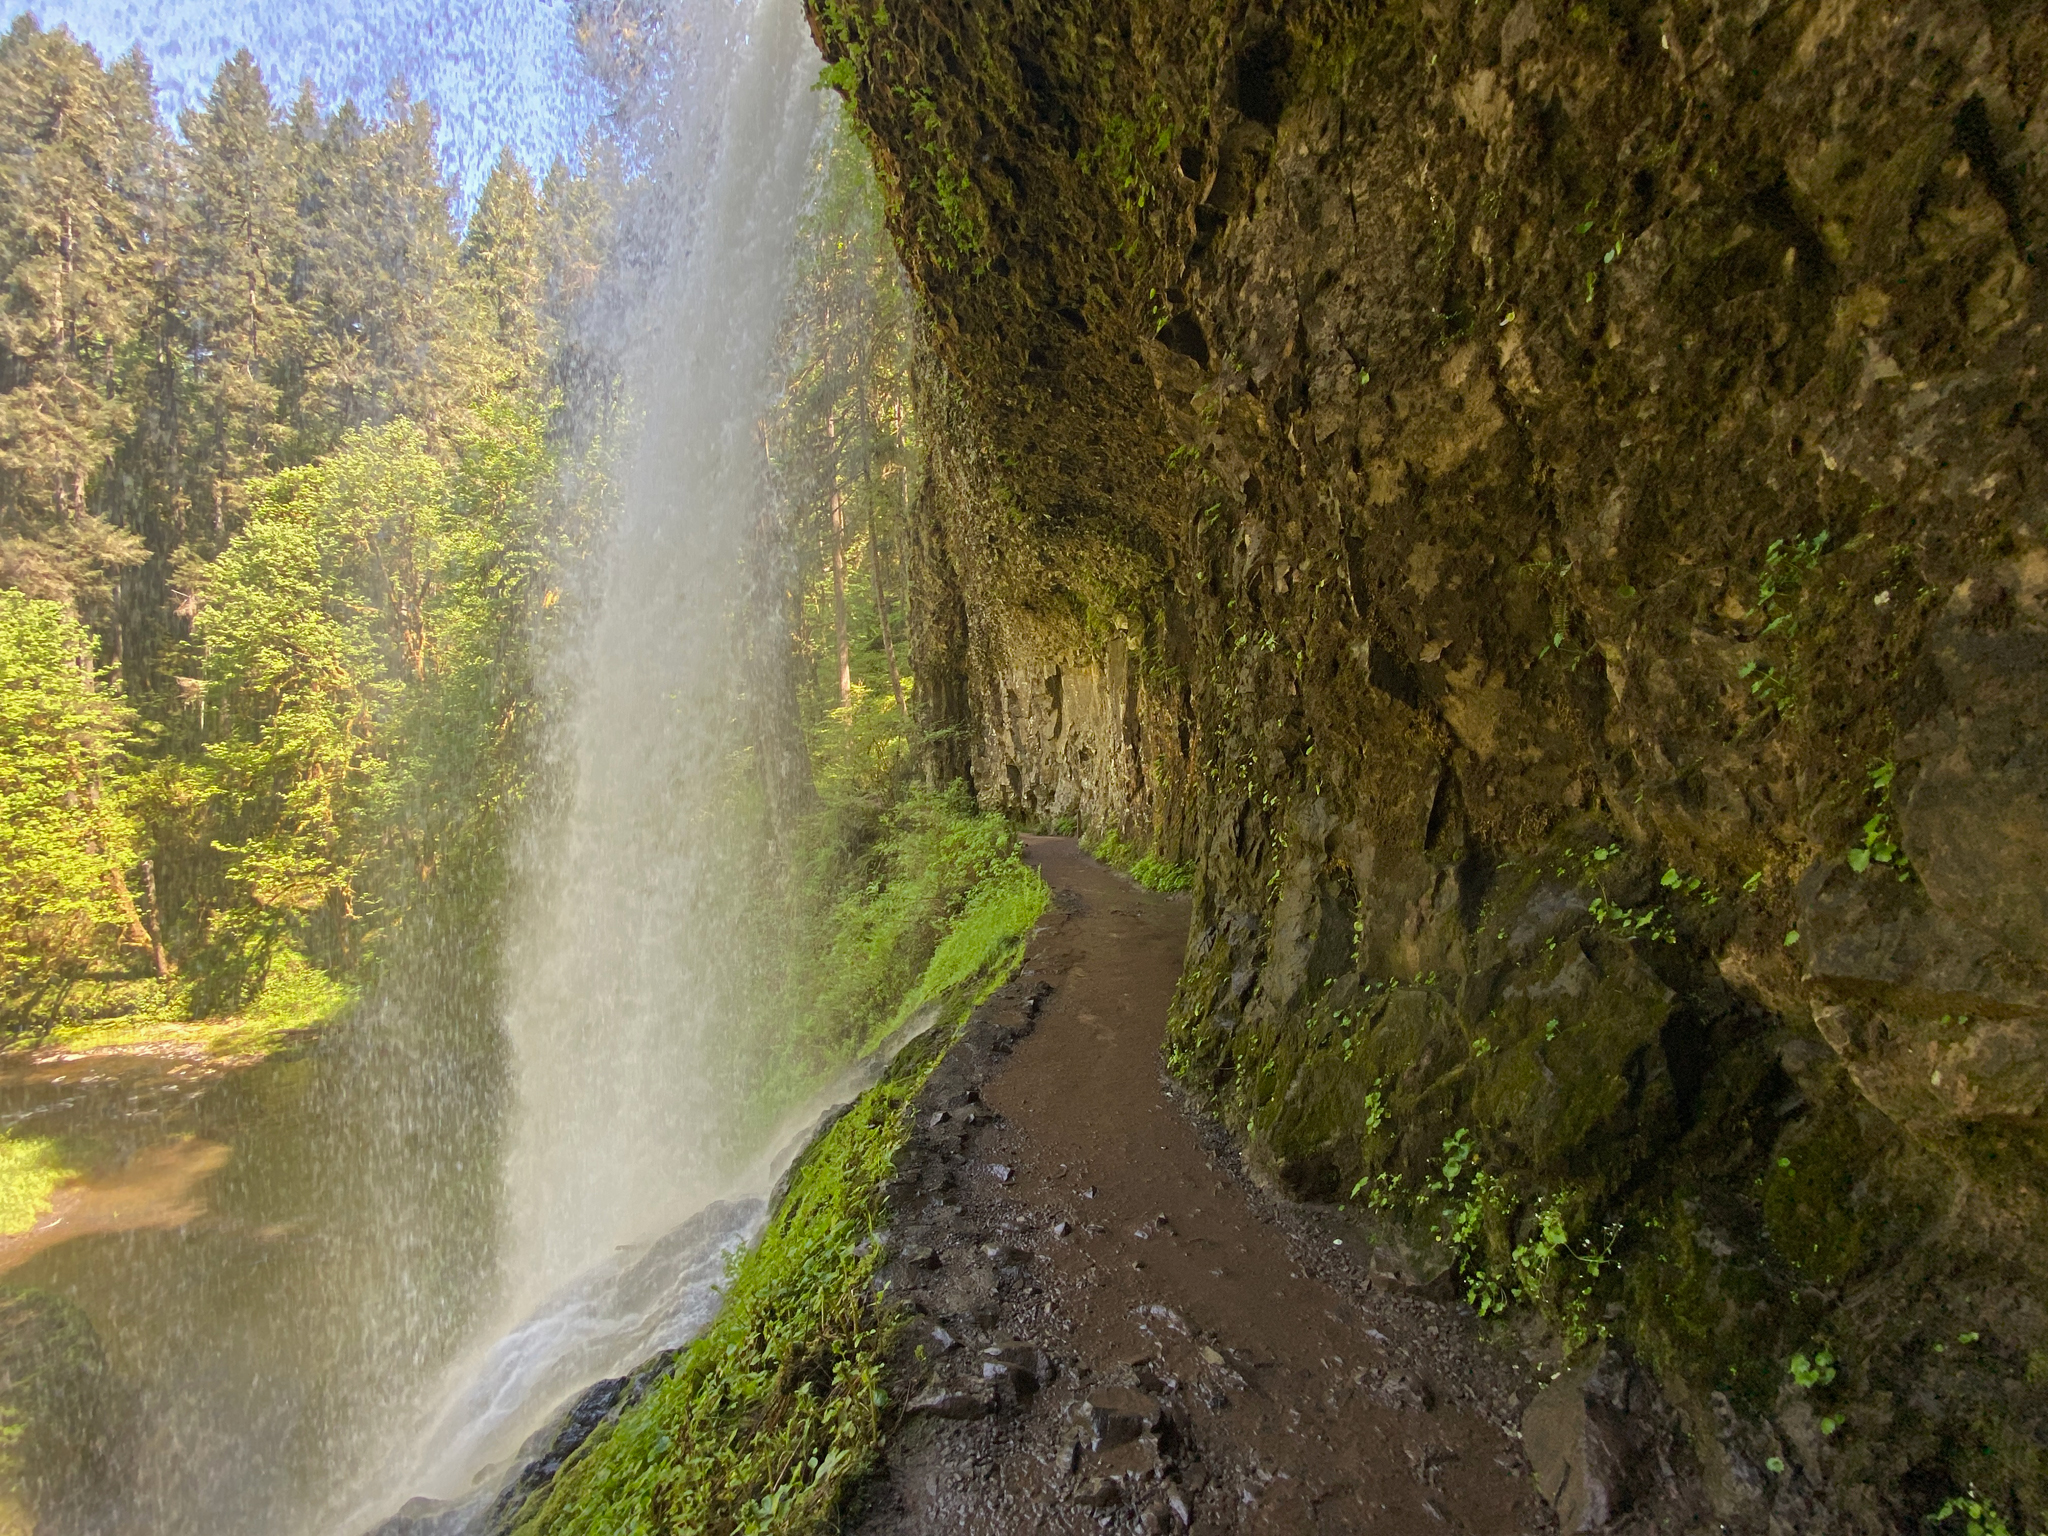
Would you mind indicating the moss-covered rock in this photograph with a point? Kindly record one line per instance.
(1532, 500)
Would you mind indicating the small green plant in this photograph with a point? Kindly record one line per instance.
(1980, 1517)
(1375, 1113)
(1648, 923)
(1690, 885)
(1816, 1370)
(1880, 843)
(1788, 563)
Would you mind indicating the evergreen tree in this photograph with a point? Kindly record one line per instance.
(381, 262)
(501, 257)
(74, 293)
(239, 252)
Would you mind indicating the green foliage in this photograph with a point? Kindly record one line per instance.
(1147, 868)
(937, 899)
(1880, 843)
(778, 1405)
(65, 835)
(1477, 1215)
(1979, 1516)
(31, 1167)
(353, 636)
(1788, 563)
(1816, 1370)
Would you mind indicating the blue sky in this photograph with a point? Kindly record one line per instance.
(497, 71)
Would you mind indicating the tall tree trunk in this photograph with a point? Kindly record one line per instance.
(775, 619)
(875, 563)
(155, 921)
(839, 569)
(882, 613)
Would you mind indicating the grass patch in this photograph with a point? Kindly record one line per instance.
(1145, 867)
(31, 1168)
(985, 943)
(905, 894)
(777, 1408)
(151, 1015)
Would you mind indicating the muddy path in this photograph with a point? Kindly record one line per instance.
(1117, 1329)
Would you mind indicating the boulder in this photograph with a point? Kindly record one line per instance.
(1588, 1449)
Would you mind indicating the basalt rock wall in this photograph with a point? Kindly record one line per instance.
(1542, 504)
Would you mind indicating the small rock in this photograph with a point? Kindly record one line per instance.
(943, 1341)
(1099, 1493)
(1002, 1172)
(1213, 1356)
(1061, 1228)
(941, 1117)
(954, 1405)
(921, 1258)
(1020, 1356)
(1088, 1193)
(1177, 1506)
(1405, 1389)
(1119, 1415)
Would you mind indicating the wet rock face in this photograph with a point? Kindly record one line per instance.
(1534, 501)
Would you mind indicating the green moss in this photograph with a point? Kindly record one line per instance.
(984, 944)
(779, 1404)
(1810, 1209)
(31, 1168)
(1704, 1311)
(777, 1408)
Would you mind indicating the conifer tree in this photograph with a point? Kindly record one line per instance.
(240, 247)
(74, 293)
(501, 258)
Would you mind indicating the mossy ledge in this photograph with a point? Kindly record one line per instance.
(764, 1422)
(1531, 500)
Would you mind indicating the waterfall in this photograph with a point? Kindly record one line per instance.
(619, 965)
(623, 959)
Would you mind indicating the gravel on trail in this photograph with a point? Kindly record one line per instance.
(1116, 1329)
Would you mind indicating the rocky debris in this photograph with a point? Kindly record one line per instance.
(1118, 1415)
(953, 1405)
(1022, 1362)
(1406, 1390)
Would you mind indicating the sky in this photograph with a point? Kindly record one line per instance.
(497, 71)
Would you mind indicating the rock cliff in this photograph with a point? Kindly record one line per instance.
(1541, 504)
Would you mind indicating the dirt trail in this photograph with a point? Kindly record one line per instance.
(1122, 1332)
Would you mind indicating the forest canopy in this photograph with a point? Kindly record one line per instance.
(296, 467)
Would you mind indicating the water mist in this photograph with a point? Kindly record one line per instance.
(626, 961)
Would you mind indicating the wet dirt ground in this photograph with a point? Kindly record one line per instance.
(1117, 1330)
